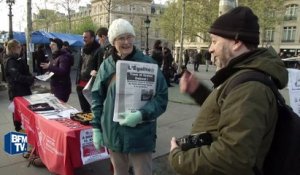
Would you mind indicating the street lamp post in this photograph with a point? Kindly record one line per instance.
(10, 32)
(147, 26)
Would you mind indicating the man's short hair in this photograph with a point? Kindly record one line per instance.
(102, 31)
(91, 32)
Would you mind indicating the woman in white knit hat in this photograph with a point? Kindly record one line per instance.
(132, 140)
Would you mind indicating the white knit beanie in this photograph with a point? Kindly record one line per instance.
(118, 27)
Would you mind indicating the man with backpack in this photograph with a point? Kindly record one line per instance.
(234, 130)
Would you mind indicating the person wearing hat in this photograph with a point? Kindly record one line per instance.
(241, 122)
(132, 140)
(61, 67)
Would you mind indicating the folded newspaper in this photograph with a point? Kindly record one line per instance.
(135, 86)
(87, 90)
(45, 76)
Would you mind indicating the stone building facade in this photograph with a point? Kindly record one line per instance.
(285, 37)
(103, 12)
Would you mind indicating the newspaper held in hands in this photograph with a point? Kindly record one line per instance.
(135, 86)
(45, 76)
(87, 90)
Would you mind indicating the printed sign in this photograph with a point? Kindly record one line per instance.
(88, 152)
(15, 143)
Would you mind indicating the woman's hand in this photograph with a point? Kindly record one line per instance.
(45, 65)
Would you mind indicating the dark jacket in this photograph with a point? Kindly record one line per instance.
(61, 82)
(167, 60)
(18, 77)
(198, 58)
(242, 123)
(157, 55)
(107, 49)
(207, 55)
(141, 138)
(91, 59)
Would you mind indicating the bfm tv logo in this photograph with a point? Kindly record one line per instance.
(15, 143)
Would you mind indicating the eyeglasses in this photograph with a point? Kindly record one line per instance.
(122, 39)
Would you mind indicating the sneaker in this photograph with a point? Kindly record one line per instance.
(36, 161)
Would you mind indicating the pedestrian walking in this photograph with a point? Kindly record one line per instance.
(197, 60)
(207, 57)
(186, 57)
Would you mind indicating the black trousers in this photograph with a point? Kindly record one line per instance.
(17, 124)
(166, 74)
(196, 66)
(84, 104)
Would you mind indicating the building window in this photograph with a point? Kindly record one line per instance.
(291, 12)
(289, 34)
(269, 35)
(156, 34)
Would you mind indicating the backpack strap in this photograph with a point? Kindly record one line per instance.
(253, 75)
(263, 78)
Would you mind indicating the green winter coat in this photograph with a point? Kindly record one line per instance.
(242, 124)
(141, 138)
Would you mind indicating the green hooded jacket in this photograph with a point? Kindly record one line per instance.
(141, 138)
(242, 123)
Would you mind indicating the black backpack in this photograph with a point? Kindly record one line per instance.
(283, 157)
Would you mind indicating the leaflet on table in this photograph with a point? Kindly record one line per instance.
(45, 76)
(135, 86)
(60, 109)
(88, 152)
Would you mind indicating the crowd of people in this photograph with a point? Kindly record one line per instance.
(240, 124)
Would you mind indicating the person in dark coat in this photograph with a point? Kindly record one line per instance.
(167, 64)
(197, 60)
(17, 75)
(157, 54)
(61, 67)
(90, 61)
(66, 47)
(186, 58)
(40, 57)
(207, 56)
(2, 55)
